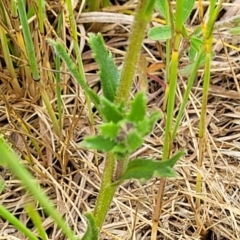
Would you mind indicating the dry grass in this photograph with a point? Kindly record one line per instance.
(75, 192)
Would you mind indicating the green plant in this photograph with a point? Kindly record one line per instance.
(122, 131)
(199, 53)
(121, 124)
(10, 160)
(95, 5)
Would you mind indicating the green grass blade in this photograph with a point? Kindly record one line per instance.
(17, 223)
(60, 51)
(41, 14)
(187, 92)
(28, 40)
(7, 57)
(11, 160)
(37, 221)
(58, 76)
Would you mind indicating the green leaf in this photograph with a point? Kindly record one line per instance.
(160, 33)
(2, 185)
(196, 43)
(187, 9)
(109, 130)
(146, 169)
(161, 6)
(120, 151)
(72, 67)
(37, 221)
(99, 143)
(138, 108)
(133, 141)
(195, 46)
(234, 30)
(110, 112)
(92, 230)
(109, 74)
(146, 126)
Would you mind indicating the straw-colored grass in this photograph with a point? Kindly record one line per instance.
(131, 211)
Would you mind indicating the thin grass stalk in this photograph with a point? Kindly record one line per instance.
(202, 123)
(11, 160)
(41, 14)
(58, 75)
(37, 221)
(168, 54)
(73, 31)
(51, 112)
(33, 64)
(94, 5)
(7, 57)
(14, 8)
(208, 39)
(143, 16)
(28, 40)
(20, 50)
(170, 110)
(106, 3)
(17, 223)
(187, 91)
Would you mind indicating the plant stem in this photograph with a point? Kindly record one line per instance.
(207, 33)
(170, 110)
(28, 40)
(143, 15)
(106, 192)
(142, 18)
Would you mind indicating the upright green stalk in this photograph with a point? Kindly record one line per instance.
(58, 76)
(94, 5)
(10, 160)
(208, 38)
(168, 53)
(78, 53)
(28, 40)
(187, 91)
(143, 16)
(33, 63)
(170, 110)
(41, 14)
(106, 191)
(7, 57)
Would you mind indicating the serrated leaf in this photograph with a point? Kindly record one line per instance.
(160, 33)
(187, 9)
(109, 130)
(120, 151)
(92, 230)
(138, 108)
(99, 143)
(146, 169)
(146, 126)
(109, 74)
(133, 141)
(110, 112)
